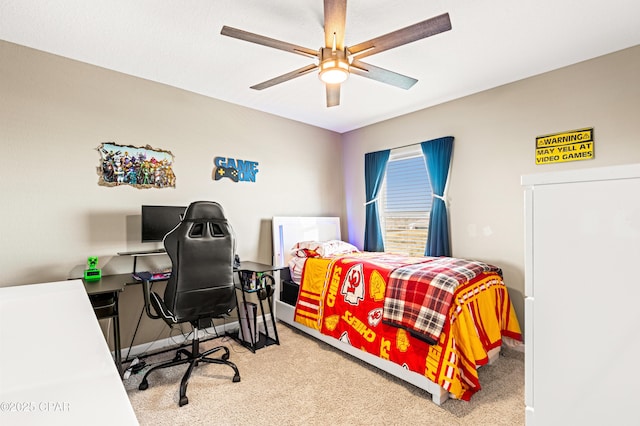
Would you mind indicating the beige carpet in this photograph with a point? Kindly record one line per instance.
(306, 382)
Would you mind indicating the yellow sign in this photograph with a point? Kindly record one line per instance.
(575, 145)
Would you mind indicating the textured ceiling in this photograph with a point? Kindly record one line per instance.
(492, 42)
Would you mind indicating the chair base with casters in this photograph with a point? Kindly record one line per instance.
(193, 358)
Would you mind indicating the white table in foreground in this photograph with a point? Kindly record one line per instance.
(55, 365)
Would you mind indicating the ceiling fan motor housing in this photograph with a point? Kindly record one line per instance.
(334, 66)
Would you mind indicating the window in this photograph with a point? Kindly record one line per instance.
(406, 202)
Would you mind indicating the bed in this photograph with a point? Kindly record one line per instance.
(428, 321)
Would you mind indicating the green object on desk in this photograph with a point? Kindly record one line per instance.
(92, 273)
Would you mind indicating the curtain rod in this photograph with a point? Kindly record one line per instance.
(408, 145)
(411, 144)
(397, 147)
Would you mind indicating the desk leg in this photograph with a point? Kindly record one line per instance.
(252, 333)
(264, 320)
(116, 336)
(273, 320)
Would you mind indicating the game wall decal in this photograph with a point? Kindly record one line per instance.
(141, 167)
(235, 169)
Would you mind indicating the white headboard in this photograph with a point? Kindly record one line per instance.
(289, 230)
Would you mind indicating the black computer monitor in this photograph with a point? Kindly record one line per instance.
(157, 221)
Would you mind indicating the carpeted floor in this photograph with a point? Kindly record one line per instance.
(306, 382)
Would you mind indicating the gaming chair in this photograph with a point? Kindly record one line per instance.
(201, 248)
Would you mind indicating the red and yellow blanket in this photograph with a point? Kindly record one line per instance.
(344, 297)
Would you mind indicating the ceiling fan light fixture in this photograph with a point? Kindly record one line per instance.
(334, 71)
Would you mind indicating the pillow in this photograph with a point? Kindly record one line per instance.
(322, 248)
(296, 265)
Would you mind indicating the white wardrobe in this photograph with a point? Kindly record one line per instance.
(582, 288)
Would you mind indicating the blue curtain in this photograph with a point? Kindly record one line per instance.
(375, 165)
(438, 157)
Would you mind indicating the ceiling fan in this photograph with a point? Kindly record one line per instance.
(337, 61)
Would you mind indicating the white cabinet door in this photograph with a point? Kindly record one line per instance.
(585, 248)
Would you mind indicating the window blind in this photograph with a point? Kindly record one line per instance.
(407, 200)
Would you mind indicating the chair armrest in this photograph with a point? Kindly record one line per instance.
(146, 278)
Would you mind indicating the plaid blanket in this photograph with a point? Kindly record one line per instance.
(418, 296)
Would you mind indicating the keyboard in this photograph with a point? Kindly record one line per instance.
(160, 275)
(151, 276)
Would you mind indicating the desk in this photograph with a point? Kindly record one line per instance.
(103, 295)
(263, 339)
(55, 366)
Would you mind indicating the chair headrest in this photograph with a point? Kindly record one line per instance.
(204, 210)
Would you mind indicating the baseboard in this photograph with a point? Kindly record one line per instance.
(513, 344)
(158, 345)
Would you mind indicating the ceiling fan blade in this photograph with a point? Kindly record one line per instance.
(402, 36)
(285, 77)
(380, 74)
(266, 41)
(333, 94)
(335, 16)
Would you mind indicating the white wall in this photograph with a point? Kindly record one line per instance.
(494, 145)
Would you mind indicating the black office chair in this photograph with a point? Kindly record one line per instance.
(201, 287)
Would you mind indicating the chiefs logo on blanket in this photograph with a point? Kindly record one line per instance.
(353, 285)
(375, 317)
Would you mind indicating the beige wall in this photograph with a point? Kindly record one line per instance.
(494, 144)
(55, 112)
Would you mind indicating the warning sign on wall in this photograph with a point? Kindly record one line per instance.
(575, 145)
